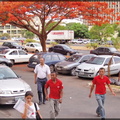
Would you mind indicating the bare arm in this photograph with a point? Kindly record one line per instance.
(35, 78)
(91, 89)
(61, 95)
(119, 77)
(111, 89)
(24, 115)
(46, 93)
(49, 76)
(39, 113)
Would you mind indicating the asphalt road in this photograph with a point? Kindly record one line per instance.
(76, 103)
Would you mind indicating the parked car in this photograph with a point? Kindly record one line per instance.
(3, 38)
(63, 49)
(3, 48)
(12, 45)
(105, 51)
(51, 59)
(69, 65)
(90, 68)
(49, 41)
(16, 55)
(33, 47)
(5, 61)
(12, 87)
(76, 41)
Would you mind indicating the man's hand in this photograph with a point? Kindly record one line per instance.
(113, 93)
(47, 97)
(90, 95)
(35, 81)
(60, 100)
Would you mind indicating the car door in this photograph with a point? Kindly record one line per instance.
(100, 51)
(112, 66)
(13, 55)
(107, 51)
(31, 47)
(58, 49)
(23, 56)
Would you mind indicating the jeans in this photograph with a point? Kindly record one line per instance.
(100, 110)
(54, 107)
(40, 87)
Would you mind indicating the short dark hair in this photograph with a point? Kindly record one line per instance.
(28, 93)
(102, 69)
(54, 72)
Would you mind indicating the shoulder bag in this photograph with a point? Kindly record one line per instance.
(37, 114)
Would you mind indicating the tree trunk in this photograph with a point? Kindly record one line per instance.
(43, 43)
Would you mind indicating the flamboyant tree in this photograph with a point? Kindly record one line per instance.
(36, 16)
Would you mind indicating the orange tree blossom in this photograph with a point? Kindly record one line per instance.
(36, 16)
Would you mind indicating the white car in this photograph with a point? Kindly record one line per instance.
(90, 68)
(49, 41)
(76, 41)
(16, 55)
(12, 87)
(33, 47)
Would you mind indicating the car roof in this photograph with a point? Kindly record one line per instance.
(42, 53)
(33, 43)
(106, 47)
(105, 56)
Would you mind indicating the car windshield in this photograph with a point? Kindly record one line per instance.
(37, 45)
(96, 60)
(4, 51)
(14, 43)
(7, 73)
(113, 49)
(74, 58)
(66, 47)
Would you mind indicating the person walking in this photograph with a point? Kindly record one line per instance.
(29, 109)
(55, 95)
(42, 72)
(100, 91)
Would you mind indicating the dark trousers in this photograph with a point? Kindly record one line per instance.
(40, 88)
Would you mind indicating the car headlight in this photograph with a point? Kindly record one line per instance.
(5, 92)
(28, 88)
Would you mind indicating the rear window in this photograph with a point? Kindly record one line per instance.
(4, 51)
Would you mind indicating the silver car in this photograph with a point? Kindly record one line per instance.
(69, 65)
(12, 87)
(91, 67)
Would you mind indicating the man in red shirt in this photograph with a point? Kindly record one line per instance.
(55, 95)
(100, 81)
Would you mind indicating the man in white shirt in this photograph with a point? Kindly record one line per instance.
(42, 72)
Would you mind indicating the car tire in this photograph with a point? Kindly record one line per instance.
(3, 63)
(26, 50)
(36, 51)
(52, 68)
(73, 72)
(13, 62)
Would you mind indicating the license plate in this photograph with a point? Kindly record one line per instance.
(34, 63)
(58, 68)
(82, 73)
(20, 97)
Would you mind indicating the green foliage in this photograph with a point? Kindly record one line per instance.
(80, 30)
(29, 40)
(102, 32)
(5, 35)
(53, 43)
(116, 42)
(58, 27)
(92, 45)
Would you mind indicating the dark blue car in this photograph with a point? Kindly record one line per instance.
(51, 59)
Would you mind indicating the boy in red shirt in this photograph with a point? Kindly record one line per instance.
(100, 81)
(56, 94)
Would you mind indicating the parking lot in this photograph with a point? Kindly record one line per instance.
(76, 103)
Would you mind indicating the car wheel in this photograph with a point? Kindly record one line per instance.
(26, 50)
(73, 72)
(36, 51)
(3, 63)
(13, 62)
(52, 69)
